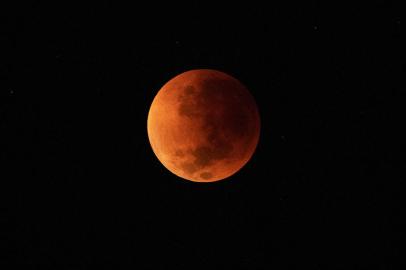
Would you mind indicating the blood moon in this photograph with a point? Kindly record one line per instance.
(203, 125)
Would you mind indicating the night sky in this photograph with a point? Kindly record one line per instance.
(82, 189)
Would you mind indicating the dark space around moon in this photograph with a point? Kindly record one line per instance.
(82, 188)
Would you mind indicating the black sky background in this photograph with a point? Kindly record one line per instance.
(83, 189)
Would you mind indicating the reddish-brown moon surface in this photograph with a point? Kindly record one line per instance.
(203, 125)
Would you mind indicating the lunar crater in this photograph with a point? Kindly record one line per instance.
(206, 175)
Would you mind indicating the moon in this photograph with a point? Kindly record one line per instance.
(203, 125)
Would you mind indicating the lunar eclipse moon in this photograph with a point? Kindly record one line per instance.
(203, 125)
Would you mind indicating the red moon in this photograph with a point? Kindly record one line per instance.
(203, 125)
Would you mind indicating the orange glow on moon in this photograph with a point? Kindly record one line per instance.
(203, 125)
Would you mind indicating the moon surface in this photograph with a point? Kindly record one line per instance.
(203, 125)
